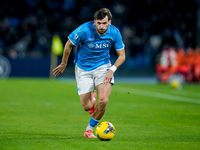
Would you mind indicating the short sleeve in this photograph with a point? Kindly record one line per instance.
(76, 36)
(118, 41)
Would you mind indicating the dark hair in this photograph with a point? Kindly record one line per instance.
(102, 13)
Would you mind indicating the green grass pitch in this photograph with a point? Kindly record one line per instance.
(43, 114)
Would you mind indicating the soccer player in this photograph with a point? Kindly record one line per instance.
(93, 69)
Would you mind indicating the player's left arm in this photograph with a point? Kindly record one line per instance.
(121, 58)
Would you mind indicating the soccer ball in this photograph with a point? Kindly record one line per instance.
(105, 131)
(175, 84)
(175, 81)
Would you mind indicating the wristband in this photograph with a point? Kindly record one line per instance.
(113, 68)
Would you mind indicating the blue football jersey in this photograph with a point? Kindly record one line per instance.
(93, 49)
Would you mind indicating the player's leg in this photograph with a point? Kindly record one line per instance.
(85, 87)
(87, 101)
(94, 103)
(103, 91)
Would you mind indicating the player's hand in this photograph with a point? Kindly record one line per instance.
(108, 77)
(58, 70)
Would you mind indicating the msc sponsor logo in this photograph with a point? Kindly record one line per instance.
(99, 45)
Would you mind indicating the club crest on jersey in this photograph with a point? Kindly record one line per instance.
(76, 36)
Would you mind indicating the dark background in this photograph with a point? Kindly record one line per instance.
(27, 28)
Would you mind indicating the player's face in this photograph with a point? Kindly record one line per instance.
(102, 25)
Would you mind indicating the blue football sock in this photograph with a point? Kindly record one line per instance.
(93, 122)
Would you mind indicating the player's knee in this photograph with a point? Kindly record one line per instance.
(87, 107)
(103, 102)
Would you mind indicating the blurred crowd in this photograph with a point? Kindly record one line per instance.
(185, 63)
(27, 26)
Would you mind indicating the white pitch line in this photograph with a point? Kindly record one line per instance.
(157, 95)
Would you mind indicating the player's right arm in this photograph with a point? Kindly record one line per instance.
(67, 50)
